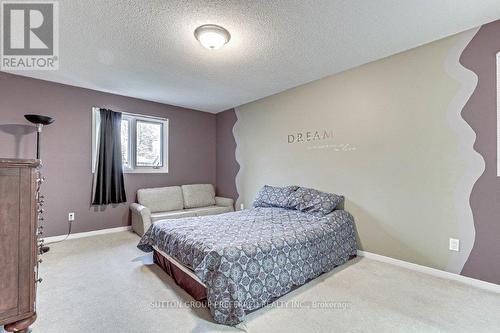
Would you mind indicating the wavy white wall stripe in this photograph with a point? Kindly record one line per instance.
(238, 157)
(466, 135)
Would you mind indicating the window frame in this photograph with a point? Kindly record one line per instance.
(162, 129)
(129, 152)
(132, 153)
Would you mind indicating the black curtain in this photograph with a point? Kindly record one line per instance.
(108, 186)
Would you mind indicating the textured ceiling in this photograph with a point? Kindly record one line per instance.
(146, 49)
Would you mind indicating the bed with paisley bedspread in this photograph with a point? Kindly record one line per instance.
(248, 258)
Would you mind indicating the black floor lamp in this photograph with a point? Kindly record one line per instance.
(39, 121)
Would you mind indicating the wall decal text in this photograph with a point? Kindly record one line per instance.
(308, 136)
(337, 147)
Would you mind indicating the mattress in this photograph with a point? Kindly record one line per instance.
(248, 258)
(186, 270)
(182, 275)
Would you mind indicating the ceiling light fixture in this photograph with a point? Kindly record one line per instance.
(212, 36)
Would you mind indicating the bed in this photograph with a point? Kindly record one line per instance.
(243, 260)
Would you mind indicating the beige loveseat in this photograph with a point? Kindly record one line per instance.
(174, 202)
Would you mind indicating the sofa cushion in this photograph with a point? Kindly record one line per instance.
(212, 210)
(161, 199)
(175, 214)
(198, 195)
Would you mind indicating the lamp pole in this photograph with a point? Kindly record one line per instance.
(39, 122)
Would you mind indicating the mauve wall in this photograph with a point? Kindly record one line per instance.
(481, 114)
(227, 166)
(66, 147)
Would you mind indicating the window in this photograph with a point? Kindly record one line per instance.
(148, 138)
(125, 143)
(144, 143)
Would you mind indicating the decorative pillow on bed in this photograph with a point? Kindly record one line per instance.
(274, 196)
(315, 202)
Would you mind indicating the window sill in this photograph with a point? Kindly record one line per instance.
(163, 170)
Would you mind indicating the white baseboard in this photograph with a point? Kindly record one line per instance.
(405, 264)
(432, 271)
(86, 234)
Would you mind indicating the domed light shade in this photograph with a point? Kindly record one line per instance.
(212, 36)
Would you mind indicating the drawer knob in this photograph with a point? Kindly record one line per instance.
(39, 280)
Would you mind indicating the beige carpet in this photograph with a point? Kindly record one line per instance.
(100, 284)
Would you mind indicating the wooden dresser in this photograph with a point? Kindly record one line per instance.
(19, 208)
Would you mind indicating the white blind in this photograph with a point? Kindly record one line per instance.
(498, 114)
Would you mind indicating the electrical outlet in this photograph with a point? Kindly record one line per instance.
(454, 244)
(242, 206)
(71, 217)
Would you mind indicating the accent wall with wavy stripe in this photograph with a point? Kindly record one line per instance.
(410, 140)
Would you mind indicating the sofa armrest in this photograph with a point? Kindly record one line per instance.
(141, 218)
(224, 202)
